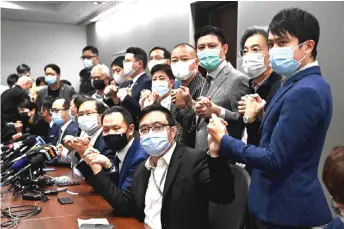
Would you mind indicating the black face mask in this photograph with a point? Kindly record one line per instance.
(24, 117)
(99, 84)
(116, 142)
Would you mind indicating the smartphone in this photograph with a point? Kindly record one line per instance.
(65, 200)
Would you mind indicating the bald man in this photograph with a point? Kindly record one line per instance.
(184, 64)
(12, 97)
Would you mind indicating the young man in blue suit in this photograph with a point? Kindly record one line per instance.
(285, 190)
(128, 95)
(127, 153)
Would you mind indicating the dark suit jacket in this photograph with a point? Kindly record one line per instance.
(135, 156)
(9, 102)
(266, 91)
(65, 91)
(131, 103)
(53, 134)
(285, 189)
(72, 129)
(193, 178)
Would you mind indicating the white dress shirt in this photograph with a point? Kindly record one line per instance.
(63, 129)
(123, 152)
(51, 124)
(153, 199)
(315, 63)
(123, 92)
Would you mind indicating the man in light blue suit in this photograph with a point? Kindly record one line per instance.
(285, 191)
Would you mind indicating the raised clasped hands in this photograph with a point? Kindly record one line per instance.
(252, 106)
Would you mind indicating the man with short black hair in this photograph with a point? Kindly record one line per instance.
(90, 58)
(12, 80)
(223, 88)
(173, 187)
(55, 88)
(125, 153)
(158, 55)
(23, 70)
(285, 180)
(128, 95)
(47, 115)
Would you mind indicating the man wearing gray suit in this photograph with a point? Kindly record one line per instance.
(223, 88)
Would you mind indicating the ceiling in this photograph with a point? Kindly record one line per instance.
(68, 12)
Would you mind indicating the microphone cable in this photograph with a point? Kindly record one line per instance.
(18, 214)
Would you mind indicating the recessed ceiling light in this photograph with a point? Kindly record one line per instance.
(96, 3)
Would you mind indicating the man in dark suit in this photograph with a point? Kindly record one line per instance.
(285, 180)
(12, 97)
(55, 88)
(126, 153)
(134, 65)
(90, 58)
(53, 128)
(66, 126)
(172, 188)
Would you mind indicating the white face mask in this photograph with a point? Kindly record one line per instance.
(89, 124)
(119, 79)
(87, 63)
(253, 64)
(152, 63)
(181, 69)
(128, 69)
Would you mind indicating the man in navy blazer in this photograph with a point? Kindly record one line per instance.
(126, 152)
(128, 96)
(285, 191)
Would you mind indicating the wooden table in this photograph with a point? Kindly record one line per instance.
(86, 205)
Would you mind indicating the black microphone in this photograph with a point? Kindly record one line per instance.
(21, 138)
(15, 144)
(26, 144)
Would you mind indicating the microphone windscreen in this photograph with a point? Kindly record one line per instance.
(23, 137)
(37, 161)
(20, 164)
(31, 140)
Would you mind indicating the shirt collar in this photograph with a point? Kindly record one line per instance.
(64, 127)
(123, 152)
(217, 70)
(51, 124)
(167, 158)
(315, 63)
(137, 77)
(256, 86)
(166, 102)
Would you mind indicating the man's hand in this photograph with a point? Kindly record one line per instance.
(204, 108)
(214, 147)
(182, 97)
(19, 126)
(90, 151)
(80, 145)
(254, 106)
(96, 158)
(96, 168)
(217, 128)
(242, 104)
(59, 150)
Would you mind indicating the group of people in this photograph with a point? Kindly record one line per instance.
(156, 146)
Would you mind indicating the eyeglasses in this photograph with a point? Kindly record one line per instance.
(253, 50)
(86, 114)
(53, 110)
(156, 128)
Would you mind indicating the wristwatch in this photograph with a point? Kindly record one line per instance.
(110, 168)
(246, 120)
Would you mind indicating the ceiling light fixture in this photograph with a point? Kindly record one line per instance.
(97, 3)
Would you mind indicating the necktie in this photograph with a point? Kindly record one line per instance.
(130, 83)
(116, 163)
(206, 86)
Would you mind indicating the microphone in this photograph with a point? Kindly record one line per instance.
(34, 163)
(21, 138)
(27, 143)
(16, 144)
(15, 167)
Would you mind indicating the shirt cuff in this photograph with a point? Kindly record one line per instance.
(122, 94)
(223, 113)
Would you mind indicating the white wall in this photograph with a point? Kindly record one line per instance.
(39, 44)
(144, 24)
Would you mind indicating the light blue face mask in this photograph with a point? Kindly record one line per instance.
(50, 79)
(155, 144)
(73, 118)
(283, 62)
(209, 58)
(161, 88)
(57, 119)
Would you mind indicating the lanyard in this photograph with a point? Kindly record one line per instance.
(162, 178)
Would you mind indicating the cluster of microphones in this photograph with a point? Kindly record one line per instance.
(23, 157)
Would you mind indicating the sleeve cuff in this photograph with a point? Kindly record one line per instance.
(208, 152)
(223, 113)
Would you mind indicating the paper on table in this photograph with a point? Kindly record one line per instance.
(102, 221)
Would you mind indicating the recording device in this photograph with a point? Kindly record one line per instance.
(65, 200)
(36, 160)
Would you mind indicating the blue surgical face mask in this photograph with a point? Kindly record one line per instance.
(155, 144)
(73, 118)
(50, 79)
(58, 120)
(283, 62)
(209, 58)
(160, 87)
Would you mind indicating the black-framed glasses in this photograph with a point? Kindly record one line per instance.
(87, 114)
(156, 128)
(53, 110)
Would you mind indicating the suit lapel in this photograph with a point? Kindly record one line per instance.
(220, 78)
(62, 91)
(172, 169)
(142, 186)
(128, 158)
